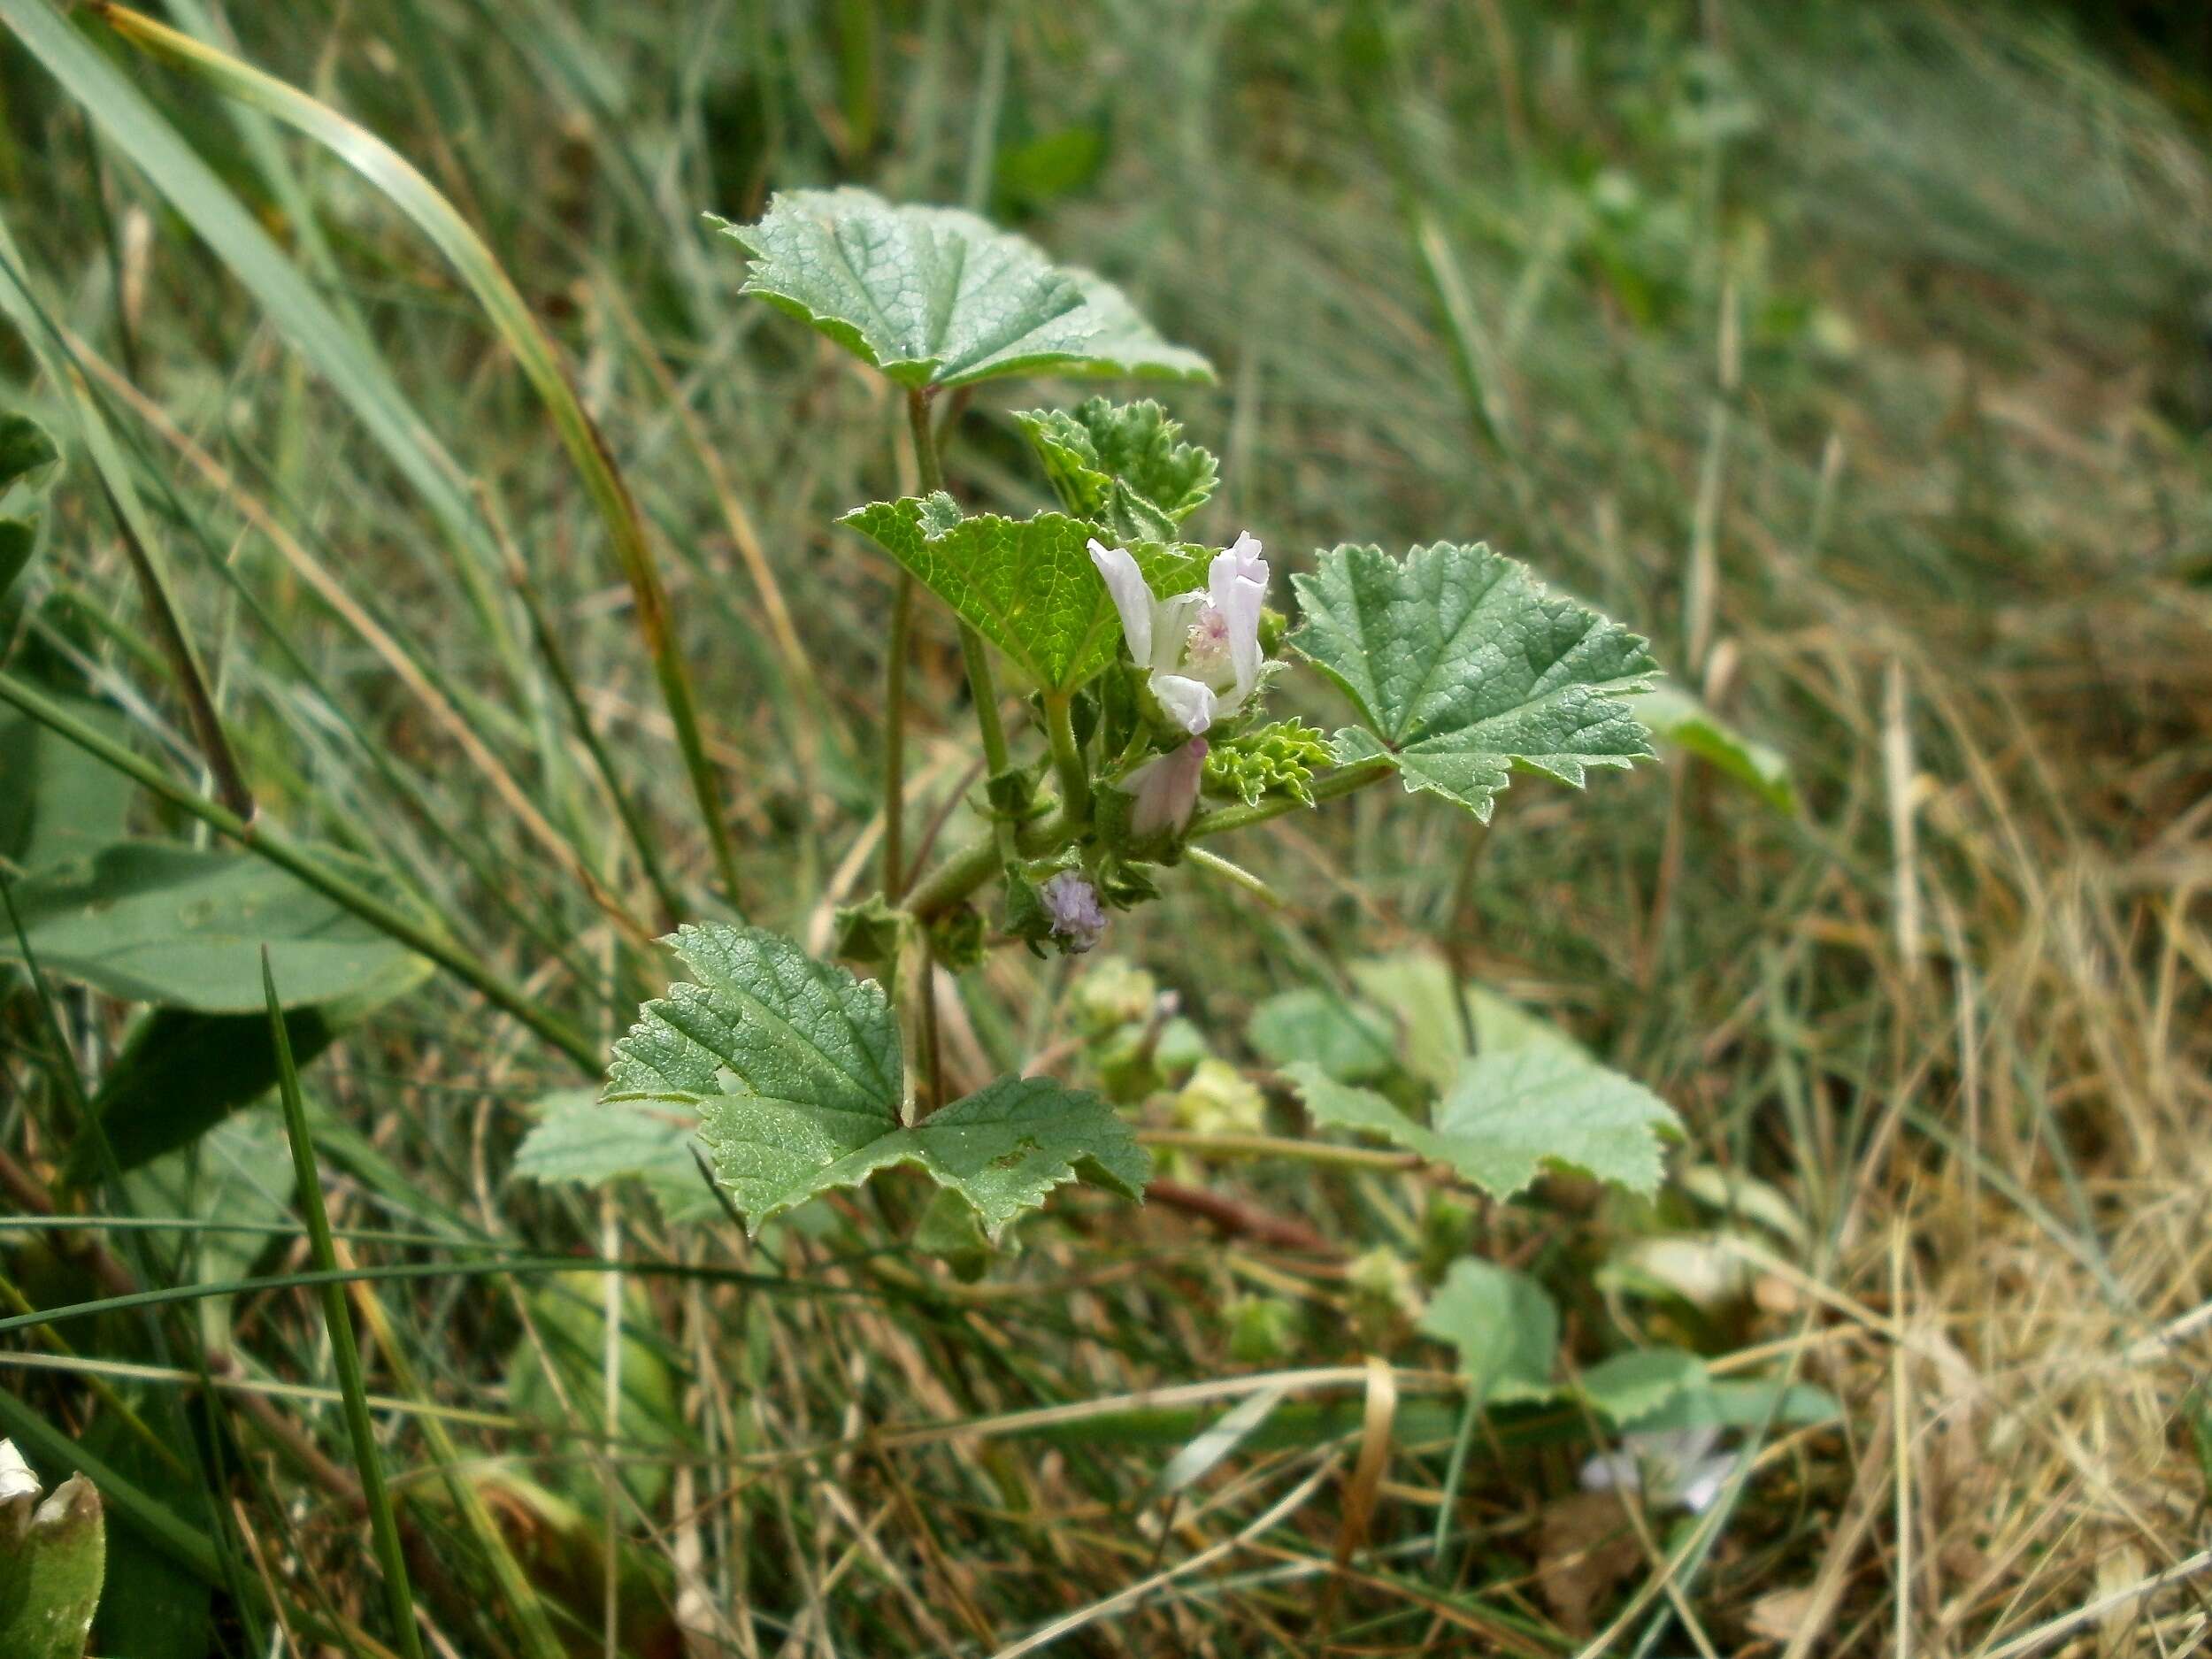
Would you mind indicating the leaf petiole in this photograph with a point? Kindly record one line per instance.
(1067, 759)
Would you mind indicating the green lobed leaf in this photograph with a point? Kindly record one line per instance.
(1120, 466)
(160, 922)
(1420, 993)
(1026, 585)
(1675, 717)
(1504, 1324)
(1507, 1115)
(1460, 664)
(1351, 1041)
(795, 1067)
(1629, 1387)
(1004, 1148)
(937, 297)
(581, 1140)
(1730, 1404)
(766, 1019)
(1420, 990)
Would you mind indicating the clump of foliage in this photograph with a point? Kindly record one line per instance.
(1146, 667)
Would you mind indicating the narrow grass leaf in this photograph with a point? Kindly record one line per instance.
(338, 352)
(345, 1357)
(519, 327)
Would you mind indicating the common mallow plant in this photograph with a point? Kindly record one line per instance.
(1143, 664)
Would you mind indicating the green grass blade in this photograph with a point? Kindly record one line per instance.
(346, 361)
(404, 186)
(383, 1524)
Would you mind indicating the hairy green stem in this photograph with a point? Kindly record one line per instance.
(1067, 759)
(895, 739)
(983, 689)
(1343, 781)
(982, 685)
(260, 836)
(968, 869)
(1272, 1146)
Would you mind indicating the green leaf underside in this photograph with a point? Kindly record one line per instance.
(1504, 1324)
(795, 1067)
(1026, 585)
(1120, 466)
(581, 1141)
(950, 1230)
(936, 297)
(1677, 718)
(159, 922)
(1352, 1041)
(1510, 1115)
(1460, 664)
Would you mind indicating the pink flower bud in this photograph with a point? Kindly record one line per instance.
(1166, 790)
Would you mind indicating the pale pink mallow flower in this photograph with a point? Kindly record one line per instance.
(1078, 920)
(1200, 651)
(1669, 1466)
(1166, 788)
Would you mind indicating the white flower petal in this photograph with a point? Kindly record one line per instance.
(1126, 582)
(1238, 581)
(16, 1479)
(1172, 622)
(1246, 551)
(1187, 703)
(1702, 1485)
(1609, 1471)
